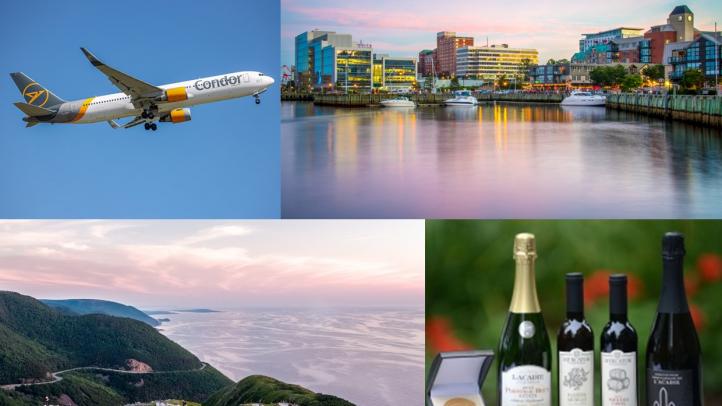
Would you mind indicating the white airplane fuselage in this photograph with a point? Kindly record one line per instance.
(198, 91)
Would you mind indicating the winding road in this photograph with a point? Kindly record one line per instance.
(57, 378)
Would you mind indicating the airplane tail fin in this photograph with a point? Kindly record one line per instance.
(35, 94)
(33, 111)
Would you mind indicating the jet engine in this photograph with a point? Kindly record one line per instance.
(175, 94)
(177, 116)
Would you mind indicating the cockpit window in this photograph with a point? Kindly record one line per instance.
(260, 74)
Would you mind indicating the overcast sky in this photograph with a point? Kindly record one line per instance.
(220, 264)
(405, 27)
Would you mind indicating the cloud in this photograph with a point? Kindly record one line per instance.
(227, 262)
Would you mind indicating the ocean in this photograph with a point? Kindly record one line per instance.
(370, 356)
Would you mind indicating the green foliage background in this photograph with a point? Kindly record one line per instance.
(470, 274)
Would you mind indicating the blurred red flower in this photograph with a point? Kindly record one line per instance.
(597, 286)
(440, 336)
(710, 267)
(698, 316)
(691, 284)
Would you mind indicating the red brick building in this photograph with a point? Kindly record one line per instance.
(446, 45)
(427, 63)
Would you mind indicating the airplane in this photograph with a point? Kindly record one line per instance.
(146, 103)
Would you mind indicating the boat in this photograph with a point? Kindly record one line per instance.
(461, 98)
(577, 98)
(398, 102)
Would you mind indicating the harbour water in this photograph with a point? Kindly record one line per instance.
(371, 357)
(503, 160)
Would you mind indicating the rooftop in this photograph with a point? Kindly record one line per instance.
(681, 10)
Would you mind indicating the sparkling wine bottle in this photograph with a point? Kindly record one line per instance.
(524, 350)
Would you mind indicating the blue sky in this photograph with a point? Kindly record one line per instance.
(554, 27)
(222, 164)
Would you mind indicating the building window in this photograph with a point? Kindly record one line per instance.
(693, 53)
(710, 68)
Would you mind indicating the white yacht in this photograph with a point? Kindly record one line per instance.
(461, 98)
(584, 99)
(398, 102)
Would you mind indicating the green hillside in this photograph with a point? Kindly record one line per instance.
(36, 340)
(88, 388)
(262, 389)
(94, 306)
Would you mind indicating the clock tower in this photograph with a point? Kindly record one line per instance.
(682, 20)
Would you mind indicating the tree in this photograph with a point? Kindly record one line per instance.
(631, 82)
(653, 72)
(551, 62)
(608, 76)
(600, 76)
(692, 79)
(525, 63)
(501, 81)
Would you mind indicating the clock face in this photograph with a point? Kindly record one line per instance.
(689, 18)
(679, 18)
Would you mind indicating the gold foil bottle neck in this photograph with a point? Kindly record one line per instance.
(524, 298)
(524, 245)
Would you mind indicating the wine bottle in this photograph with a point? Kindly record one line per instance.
(619, 349)
(524, 350)
(674, 368)
(575, 349)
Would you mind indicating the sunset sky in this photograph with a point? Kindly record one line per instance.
(220, 264)
(554, 27)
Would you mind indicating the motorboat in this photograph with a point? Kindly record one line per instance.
(398, 102)
(577, 98)
(461, 98)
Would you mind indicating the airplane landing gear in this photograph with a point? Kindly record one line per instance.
(147, 114)
(151, 126)
(147, 126)
(258, 99)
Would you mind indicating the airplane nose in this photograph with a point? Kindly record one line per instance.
(269, 80)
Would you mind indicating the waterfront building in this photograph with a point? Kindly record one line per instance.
(551, 75)
(563, 75)
(427, 63)
(303, 58)
(679, 28)
(348, 69)
(630, 50)
(702, 53)
(447, 44)
(490, 62)
(394, 73)
(597, 48)
(329, 61)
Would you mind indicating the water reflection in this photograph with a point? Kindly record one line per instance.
(496, 161)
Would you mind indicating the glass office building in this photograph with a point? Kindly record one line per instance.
(399, 73)
(488, 63)
(353, 68)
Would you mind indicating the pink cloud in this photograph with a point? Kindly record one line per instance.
(224, 263)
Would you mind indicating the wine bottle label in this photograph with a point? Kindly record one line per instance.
(670, 388)
(619, 378)
(526, 385)
(576, 378)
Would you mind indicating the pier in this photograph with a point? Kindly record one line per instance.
(703, 110)
(366, 100)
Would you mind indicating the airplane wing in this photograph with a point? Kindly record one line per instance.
(134, 122)
(135, 88)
